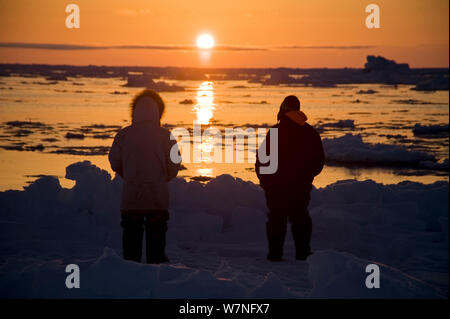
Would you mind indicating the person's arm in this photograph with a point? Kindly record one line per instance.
(115, 155)
(319, 155)
(262, 177)
(172, 168)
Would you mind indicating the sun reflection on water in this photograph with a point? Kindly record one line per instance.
(205, 103)
(207, 172)
(204, 110)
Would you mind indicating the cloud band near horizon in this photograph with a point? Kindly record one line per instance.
(66, 47)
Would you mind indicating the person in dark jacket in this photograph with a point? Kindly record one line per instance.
(300, 159)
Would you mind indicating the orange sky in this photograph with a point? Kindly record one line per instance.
(415, 32)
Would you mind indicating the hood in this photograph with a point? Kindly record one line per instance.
(146, 110)
(297, 116)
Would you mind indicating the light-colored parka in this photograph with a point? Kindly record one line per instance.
(140, 154)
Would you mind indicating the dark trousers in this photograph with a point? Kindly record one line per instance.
(290, 205)
(155, 224)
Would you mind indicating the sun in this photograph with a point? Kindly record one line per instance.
(205, 41)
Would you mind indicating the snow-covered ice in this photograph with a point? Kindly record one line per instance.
(217, 245)
(350, 124)
(430, 129)
(351, 149)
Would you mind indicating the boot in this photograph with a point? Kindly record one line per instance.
(275, 252)
(302, 254)
(156, 250)
(133, 230)
(156, 229)
(276, 233)
(301, 233)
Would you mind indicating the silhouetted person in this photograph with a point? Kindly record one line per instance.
(140, 154)
(300, 159)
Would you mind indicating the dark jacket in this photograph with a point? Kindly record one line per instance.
(300, 158)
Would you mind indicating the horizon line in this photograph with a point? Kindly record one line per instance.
(203, 68)
(222, 47)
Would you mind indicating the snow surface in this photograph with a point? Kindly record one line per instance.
(217, 245)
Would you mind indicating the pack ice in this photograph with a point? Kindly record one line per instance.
(217, 245)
